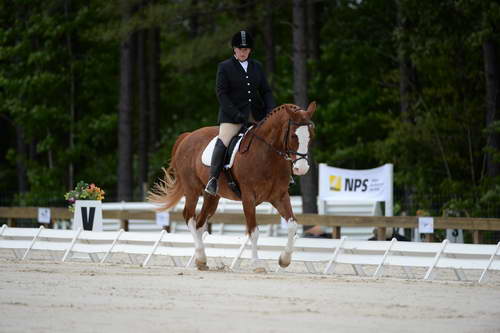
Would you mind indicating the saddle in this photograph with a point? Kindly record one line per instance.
(231, 151)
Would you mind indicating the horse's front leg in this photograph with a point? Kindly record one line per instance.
(284, 207)
(252, 230)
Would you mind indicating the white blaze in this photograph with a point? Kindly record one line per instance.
(302, 166)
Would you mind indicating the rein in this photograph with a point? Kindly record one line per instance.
(286, 154)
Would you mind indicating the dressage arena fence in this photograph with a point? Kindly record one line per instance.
(140, 247)
(354, 219)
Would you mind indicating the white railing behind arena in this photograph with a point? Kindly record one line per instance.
(140, 247)
(343, 208)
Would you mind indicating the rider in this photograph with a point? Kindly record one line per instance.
(244, 95)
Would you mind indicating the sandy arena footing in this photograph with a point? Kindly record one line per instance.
(41, 295)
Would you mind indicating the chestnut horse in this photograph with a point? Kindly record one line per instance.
(268, 154)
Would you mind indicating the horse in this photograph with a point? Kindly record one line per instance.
(269, 152)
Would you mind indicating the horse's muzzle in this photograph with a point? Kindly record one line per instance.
(300, 168)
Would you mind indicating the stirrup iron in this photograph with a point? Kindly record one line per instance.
(212, 186)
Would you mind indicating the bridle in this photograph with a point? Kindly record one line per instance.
(286, 153)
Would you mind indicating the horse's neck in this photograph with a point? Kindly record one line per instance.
(272, 130)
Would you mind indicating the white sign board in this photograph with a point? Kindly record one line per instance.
(426, 225)
(163, 219)
(88, 215)
(356, 185)
(44, 215)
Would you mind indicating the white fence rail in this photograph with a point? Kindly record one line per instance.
(331, 207)
(99, 247)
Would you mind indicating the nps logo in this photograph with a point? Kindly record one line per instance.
(335, 183)
(350, 184)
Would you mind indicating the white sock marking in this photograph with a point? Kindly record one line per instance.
(254, 237)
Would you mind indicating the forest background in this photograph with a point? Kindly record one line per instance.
(99, 90)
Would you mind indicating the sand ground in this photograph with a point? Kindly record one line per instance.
(42, 295)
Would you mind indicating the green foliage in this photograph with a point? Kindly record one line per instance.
(438, 148)
(36, 92)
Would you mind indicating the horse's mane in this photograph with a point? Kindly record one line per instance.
(278, 109)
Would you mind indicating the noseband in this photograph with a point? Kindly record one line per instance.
(289, 152)
(286, 153)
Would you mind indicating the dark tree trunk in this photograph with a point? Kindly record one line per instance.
(492, 104)
(22, 181)
(125, 112)
(309, 182)
(405, 75)
(194, 21)
(404, 68)
(312, 31)
(154, 84)
(269, 42)
(299, 54)
(72, 97)
(143, 111)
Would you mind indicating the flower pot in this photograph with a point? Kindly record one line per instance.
(88, 215)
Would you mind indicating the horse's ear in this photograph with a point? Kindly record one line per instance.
(311, 108)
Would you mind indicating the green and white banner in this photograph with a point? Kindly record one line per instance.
(356, 185)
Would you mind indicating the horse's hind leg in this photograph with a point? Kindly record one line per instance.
(199, 248)
(253, 231)
(284, 207)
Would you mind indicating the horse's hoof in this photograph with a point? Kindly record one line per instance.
(285, 259)
(201, 265)
(260, 270)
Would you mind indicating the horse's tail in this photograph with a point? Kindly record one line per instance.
(169, 191)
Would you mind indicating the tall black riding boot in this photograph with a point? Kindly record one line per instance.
(215, 167)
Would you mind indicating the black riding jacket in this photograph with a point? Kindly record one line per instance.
(240, 92)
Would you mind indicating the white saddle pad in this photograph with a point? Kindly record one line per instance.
(206, 157)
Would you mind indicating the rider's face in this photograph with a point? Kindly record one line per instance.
(242, 53)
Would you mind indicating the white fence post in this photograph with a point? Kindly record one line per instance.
(236, 259)
(72, 244)
(112, 246)
(331, 264)
(378, 271)
(3, 228)
(32, 242)
(483, 275)
(436, 260)
(153, 249)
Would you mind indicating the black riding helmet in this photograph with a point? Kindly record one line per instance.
(242, 39)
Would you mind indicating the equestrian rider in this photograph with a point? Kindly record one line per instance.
(244, 95)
